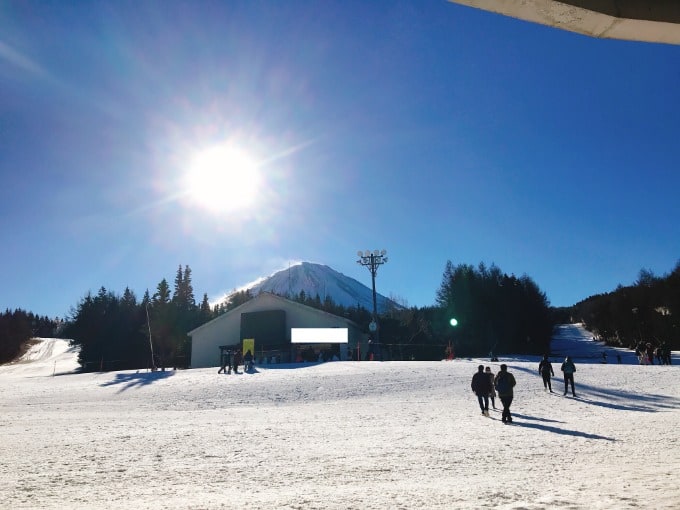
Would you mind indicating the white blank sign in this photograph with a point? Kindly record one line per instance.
(318, 335)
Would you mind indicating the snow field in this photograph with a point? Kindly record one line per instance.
(343, 435)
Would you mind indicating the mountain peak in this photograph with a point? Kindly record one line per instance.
(318, 279)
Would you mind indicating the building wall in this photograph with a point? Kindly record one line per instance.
(226, 329)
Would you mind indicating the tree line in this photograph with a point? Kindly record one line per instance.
(646, 312)
(117, 332)
(495, 313)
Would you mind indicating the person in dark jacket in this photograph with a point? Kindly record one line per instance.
(546, 370)
(248, 361)
(238, 359)
(224, 360)
(481, 386)
(504, 384)
(231, 353)
(492, 393)
(568, 368)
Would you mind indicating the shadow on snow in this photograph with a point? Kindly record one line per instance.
(557, 430)
(137, 379)
(612, 398)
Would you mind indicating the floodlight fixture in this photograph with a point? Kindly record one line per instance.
(373, 260)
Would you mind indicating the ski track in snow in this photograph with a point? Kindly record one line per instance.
(343, 435)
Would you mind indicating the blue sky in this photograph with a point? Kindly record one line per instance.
(432, 130)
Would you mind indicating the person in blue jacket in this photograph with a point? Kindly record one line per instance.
(568, 368)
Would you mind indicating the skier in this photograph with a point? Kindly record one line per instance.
(568, 368)
(546, 370)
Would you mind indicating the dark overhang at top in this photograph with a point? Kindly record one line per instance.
(633, 20)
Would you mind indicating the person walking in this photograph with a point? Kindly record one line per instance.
(481, 386)
(546, 370)
(568, 368)
(238, 359)
(492, 393)
(230, 364)
(504, 383)
(224, 360)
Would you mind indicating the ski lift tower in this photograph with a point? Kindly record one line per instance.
(373, 260)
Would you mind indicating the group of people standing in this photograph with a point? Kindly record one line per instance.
(232, 359)
(568, 368)
(647, 352)
(486, 385)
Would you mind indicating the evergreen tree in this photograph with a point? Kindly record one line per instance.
(162, 322)
(205, 313)
(162, 296)
(188, 290)
(15, 333)
(178, 297)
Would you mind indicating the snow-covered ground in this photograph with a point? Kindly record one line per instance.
(339, 435)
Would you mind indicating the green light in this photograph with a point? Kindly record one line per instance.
(453, 322)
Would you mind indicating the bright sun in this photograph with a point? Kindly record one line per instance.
(223, 179)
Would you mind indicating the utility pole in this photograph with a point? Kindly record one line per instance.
(373, 260)
(148, 324)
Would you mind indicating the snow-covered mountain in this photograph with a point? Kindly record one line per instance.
(319, 279)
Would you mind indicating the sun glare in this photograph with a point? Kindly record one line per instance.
(222, 179)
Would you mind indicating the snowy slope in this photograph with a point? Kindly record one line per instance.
(45, 357)
(343, 435)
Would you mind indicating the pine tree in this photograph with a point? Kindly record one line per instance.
(188, 290)
(205, 313)
(162, 295)
(129, 298)
(179, 287)
(162, 321)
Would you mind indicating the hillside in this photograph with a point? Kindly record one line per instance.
(45, 356)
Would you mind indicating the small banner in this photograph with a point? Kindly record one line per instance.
(249, 345)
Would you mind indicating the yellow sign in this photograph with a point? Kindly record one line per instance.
(249, 345)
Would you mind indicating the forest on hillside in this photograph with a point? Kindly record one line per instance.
(494, 313)
(646, 312)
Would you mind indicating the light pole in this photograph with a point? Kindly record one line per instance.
(373, 260)
(148, 323)
(452, 353)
